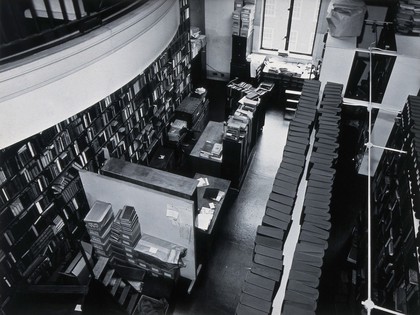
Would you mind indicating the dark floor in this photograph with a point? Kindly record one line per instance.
(219, 284)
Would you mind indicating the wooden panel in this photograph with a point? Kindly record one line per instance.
(152, 209)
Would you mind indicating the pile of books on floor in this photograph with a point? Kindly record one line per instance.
(211, 150)
(98, 224)
(125, 234)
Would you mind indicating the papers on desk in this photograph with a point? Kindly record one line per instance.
(219, 196)
(211, 150)
(297, 69)
(203, 182)
(204, 218)
(213, 194)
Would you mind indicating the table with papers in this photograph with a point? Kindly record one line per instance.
(211, 193)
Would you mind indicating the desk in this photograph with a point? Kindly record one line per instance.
(163, 159)
(214, 182)
(200, 164)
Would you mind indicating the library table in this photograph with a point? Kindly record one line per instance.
(207, 165)
(214, 182)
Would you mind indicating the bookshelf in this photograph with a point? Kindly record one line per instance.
(42, 202)
(395, 216)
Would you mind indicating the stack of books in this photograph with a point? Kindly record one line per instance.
(175, 132)
(408, 17)
(160, 257)
(247, 20)
(98, 224)
(236, 127)
(125, 234)
(236, 22)
(211, 150)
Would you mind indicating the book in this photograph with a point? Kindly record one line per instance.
(98, 215)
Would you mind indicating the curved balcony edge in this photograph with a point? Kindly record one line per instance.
(46, 88)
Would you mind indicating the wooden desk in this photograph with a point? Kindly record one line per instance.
(214, 182)
(209, 166)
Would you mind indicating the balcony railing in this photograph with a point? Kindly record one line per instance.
(28, 26)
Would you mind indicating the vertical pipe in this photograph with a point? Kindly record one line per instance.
(369, 184)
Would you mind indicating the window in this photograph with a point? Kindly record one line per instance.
(270, 8)
(268, 37)
(290, 25)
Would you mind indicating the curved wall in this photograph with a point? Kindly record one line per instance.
(45, 89)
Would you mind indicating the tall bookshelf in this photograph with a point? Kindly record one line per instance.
(42, 202)
(396, 216)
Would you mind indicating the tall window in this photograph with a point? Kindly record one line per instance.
(290, 25)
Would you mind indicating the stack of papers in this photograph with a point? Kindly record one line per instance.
(202, 182)
(204, 218)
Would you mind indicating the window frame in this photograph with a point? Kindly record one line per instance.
(285, 49)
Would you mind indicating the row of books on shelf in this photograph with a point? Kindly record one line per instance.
(32, 198)
(396, 202)
(39, 238)
(27, 152)
(91, 121)
(55, 165)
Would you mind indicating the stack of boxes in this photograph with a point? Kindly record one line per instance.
(125, 234)
(98, 224)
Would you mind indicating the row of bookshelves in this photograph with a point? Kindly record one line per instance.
(395, 212)
(42, 202)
